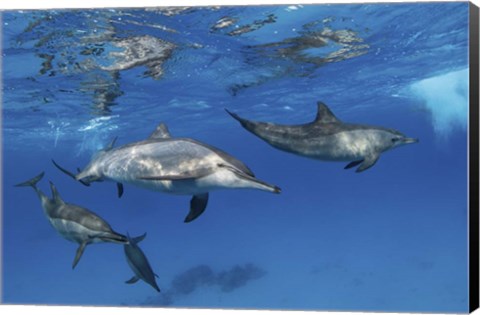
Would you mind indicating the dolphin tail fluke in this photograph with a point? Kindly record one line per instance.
(234, 115)
(31, 182)
(140, 238)
(244, 122)
(137, 239)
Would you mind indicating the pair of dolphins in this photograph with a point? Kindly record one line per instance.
(185, 166)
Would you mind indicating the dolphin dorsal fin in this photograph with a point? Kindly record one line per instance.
(325, 115)
(111, 144)
(55, 195)
(161, 132)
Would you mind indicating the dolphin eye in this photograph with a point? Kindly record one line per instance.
(394, 140)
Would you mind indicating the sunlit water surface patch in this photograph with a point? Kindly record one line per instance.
(446, 97)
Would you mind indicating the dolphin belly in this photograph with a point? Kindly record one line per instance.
(74, 231)
(217, 178)
(341, 146)
(175, 187)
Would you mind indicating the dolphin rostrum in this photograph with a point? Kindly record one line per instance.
(72, 222)
(329, 139)
(138, 262)
(180, 166)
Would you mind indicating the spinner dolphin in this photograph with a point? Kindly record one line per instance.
(329, 139)
(180, 166)
(73, 222)
(138, 262)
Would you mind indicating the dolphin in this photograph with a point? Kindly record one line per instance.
(181, 166)
(72, 222)
(138, 262)
(329, 139)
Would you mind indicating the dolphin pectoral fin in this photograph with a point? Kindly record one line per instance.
(132, 280)
(79, 254)
(352, 164)
(120, 189)
(368, 162)
(69, 173)
(197, 206)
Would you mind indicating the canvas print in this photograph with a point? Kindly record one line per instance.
(295, 157)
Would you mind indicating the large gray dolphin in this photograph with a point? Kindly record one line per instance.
(72, 222)
(180, 166)
(329, 139)
(138, 262)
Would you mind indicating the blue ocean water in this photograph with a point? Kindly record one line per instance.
(393, 238)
